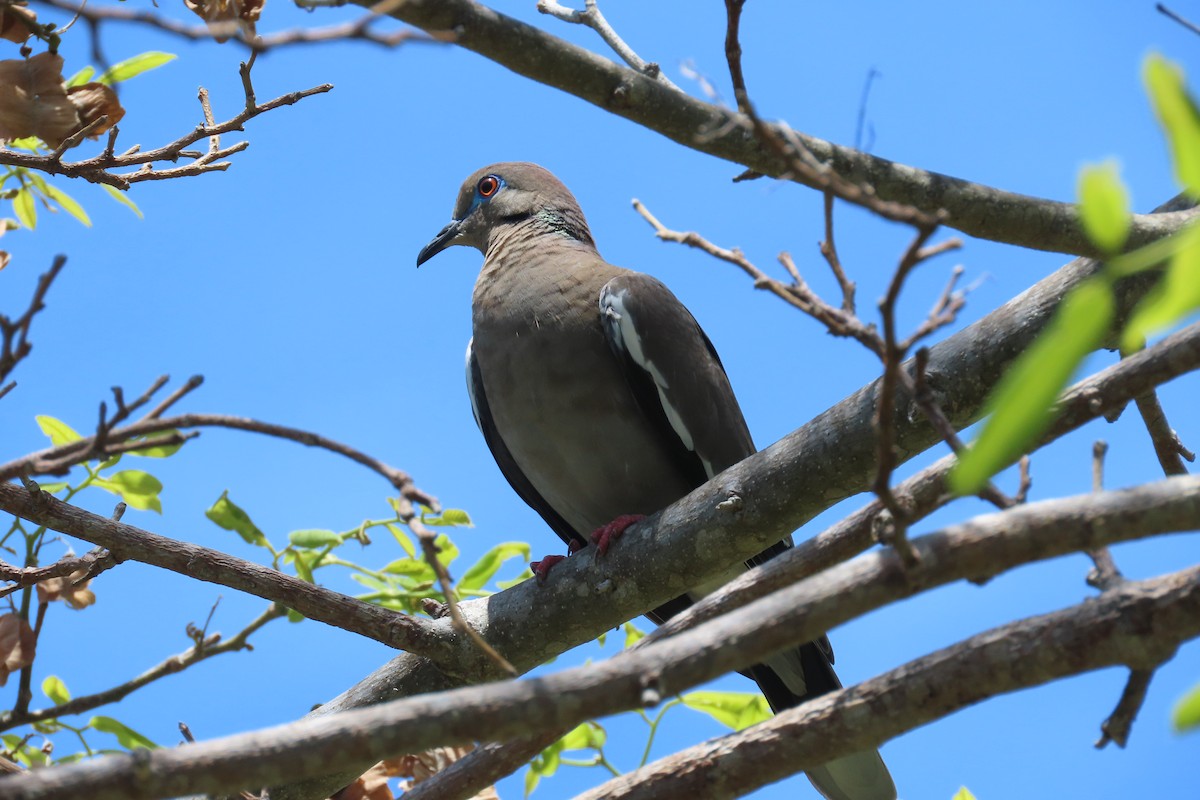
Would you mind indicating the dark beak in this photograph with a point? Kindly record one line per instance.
(444, 239)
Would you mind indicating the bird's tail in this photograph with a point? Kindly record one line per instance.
(787, 680)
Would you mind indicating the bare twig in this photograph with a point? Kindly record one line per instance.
(1105, 575)
(361, 29)
(1120, 722)
(592, 17)
(829, 251)
(98, 559)
(16, 344)
(97, 169)
(429, 548)
(207, 648)
(1191, 26)
(1167, 445)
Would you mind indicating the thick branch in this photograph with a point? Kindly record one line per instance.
(1139, 621)
(970, 207)
(1145, 621)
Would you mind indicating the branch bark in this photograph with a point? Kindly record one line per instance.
(970, 207)
(1139, 624)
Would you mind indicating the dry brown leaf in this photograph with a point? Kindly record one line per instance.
(33, 101)
(15, 22)
(95, 100)
(76, 597)
(371, 785)
(223, 15)
(5, 257)
(421, 766)
(18, 645)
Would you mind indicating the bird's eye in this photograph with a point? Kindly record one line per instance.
(488, 185)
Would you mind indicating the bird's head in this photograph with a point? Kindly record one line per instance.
(508, 194)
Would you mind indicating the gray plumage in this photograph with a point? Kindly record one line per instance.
(599, 395)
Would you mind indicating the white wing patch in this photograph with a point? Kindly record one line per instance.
(623, 330)
(471, 387)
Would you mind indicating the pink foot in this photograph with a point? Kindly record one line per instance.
(542, 568)
(605, 535)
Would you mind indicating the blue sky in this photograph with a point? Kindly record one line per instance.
(288, 282)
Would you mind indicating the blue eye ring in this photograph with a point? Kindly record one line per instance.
(488, 185)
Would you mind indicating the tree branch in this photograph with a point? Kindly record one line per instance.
(1139, 624)
(129, 543)
(969, 207)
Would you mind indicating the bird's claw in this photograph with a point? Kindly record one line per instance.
(605, 535)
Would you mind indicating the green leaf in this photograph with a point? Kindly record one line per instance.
(24, 207)
(413, 567)
(303, 563)
(963, 793)
(123, 199)
(1176, 295)
(68, 204)
(51, 488)
(314, 538)
(56, 690)
(130, 67)
(80, 78)
(158, 450)
(138, 489)
(1186, 714)
(1022, 404)
(128, 737)
(1179, 118)
(736, 710)
(633, 634)
(585, 736)
(532, 779)
(482, 571)
(403, 539)
(226, 514)
(29, 143)
(447, 550)
(1104, 206)
(60, 433)
(451, 517)
(294, 616)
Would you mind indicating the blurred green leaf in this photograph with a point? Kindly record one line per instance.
(403, 539)
(736, 710)
(1186, 714)
(482, 571)
(1022, 404)
(314, 538)
(450, 517)
(303, 563)
(1176, 295)
(585, 736)
(414, 567)
(56, 690)
(1178, 116)
(226, 514)
(24, 207)
(60, 433)
(294, 616)
(963, 793)
(130, 67)
(123, 199)
(68, 204)
(51, 488)
(447, 550)
(1104, 206)
(137, 488)
(80, 78)
(128, 737)
(632, 634)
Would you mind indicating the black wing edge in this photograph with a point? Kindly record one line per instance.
(508, 465)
